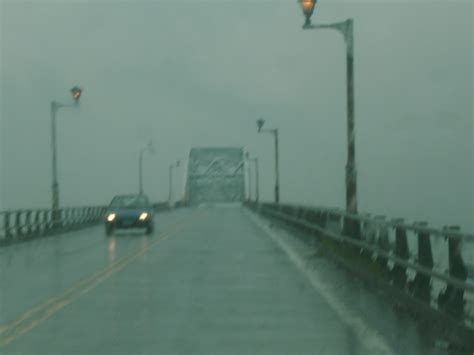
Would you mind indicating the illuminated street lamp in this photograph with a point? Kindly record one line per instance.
(260, 123)
(76, 93)
(308, 7)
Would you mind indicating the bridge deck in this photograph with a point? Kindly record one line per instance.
(211, 280)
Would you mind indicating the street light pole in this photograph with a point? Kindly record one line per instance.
(170, 184)
(76, 93)
(249, 177)
(347, 30)
(150, 149)
(54, 185)
(257, 187)
(140, 172)
(257, 181)
(277, 167)
(275, 132)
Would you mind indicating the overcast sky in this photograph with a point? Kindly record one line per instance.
(199, 73)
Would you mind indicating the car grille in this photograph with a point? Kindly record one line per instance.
(128, 221)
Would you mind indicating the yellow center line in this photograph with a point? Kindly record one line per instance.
(40, 313)
(69, 290)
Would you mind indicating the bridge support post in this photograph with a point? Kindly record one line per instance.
(452, 299)
(399, 275)
(420, 287)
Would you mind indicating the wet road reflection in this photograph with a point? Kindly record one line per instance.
(207, 282)
(111, 249)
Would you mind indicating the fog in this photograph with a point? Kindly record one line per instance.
(199, 73)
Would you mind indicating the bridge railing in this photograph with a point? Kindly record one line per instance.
(161, 206)
(428, 264)
(18, 225)
(25, 224)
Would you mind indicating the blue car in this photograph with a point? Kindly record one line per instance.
(129, 211)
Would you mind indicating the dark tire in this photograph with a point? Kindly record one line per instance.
(109, 230)
(149, 229)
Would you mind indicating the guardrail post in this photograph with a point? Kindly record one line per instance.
(65, 218)
(420, 287)
(29, 229)
(37, 223)
(8, 232)
(59, 223)
(81, 215)
(55, 218)
(366, 234)
(401, 250)
(47, 219)
(74, 222)
(90, 214)
(41, 222)
(18, 226)
(351, 227)
(383, 244)
(452, 299)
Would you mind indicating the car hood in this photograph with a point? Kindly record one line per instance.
(128, 212)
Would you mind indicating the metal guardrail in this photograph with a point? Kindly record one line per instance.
(161, 206)
(403, 252)
(18, 225)
(26, 224)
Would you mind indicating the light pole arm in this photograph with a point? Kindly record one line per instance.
(344, 27)
(267, 130)
(57, 105)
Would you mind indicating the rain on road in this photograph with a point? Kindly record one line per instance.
(210, 280)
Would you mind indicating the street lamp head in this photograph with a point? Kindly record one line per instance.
(308, 7)
(260, 123)
(76, 93)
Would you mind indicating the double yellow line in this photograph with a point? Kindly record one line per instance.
(36, 315)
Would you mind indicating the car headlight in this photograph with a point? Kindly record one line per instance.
(111, 217)
(143, 216)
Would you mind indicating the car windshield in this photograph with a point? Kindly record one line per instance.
(129, 202)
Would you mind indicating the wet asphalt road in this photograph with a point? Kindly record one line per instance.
(208, 281)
